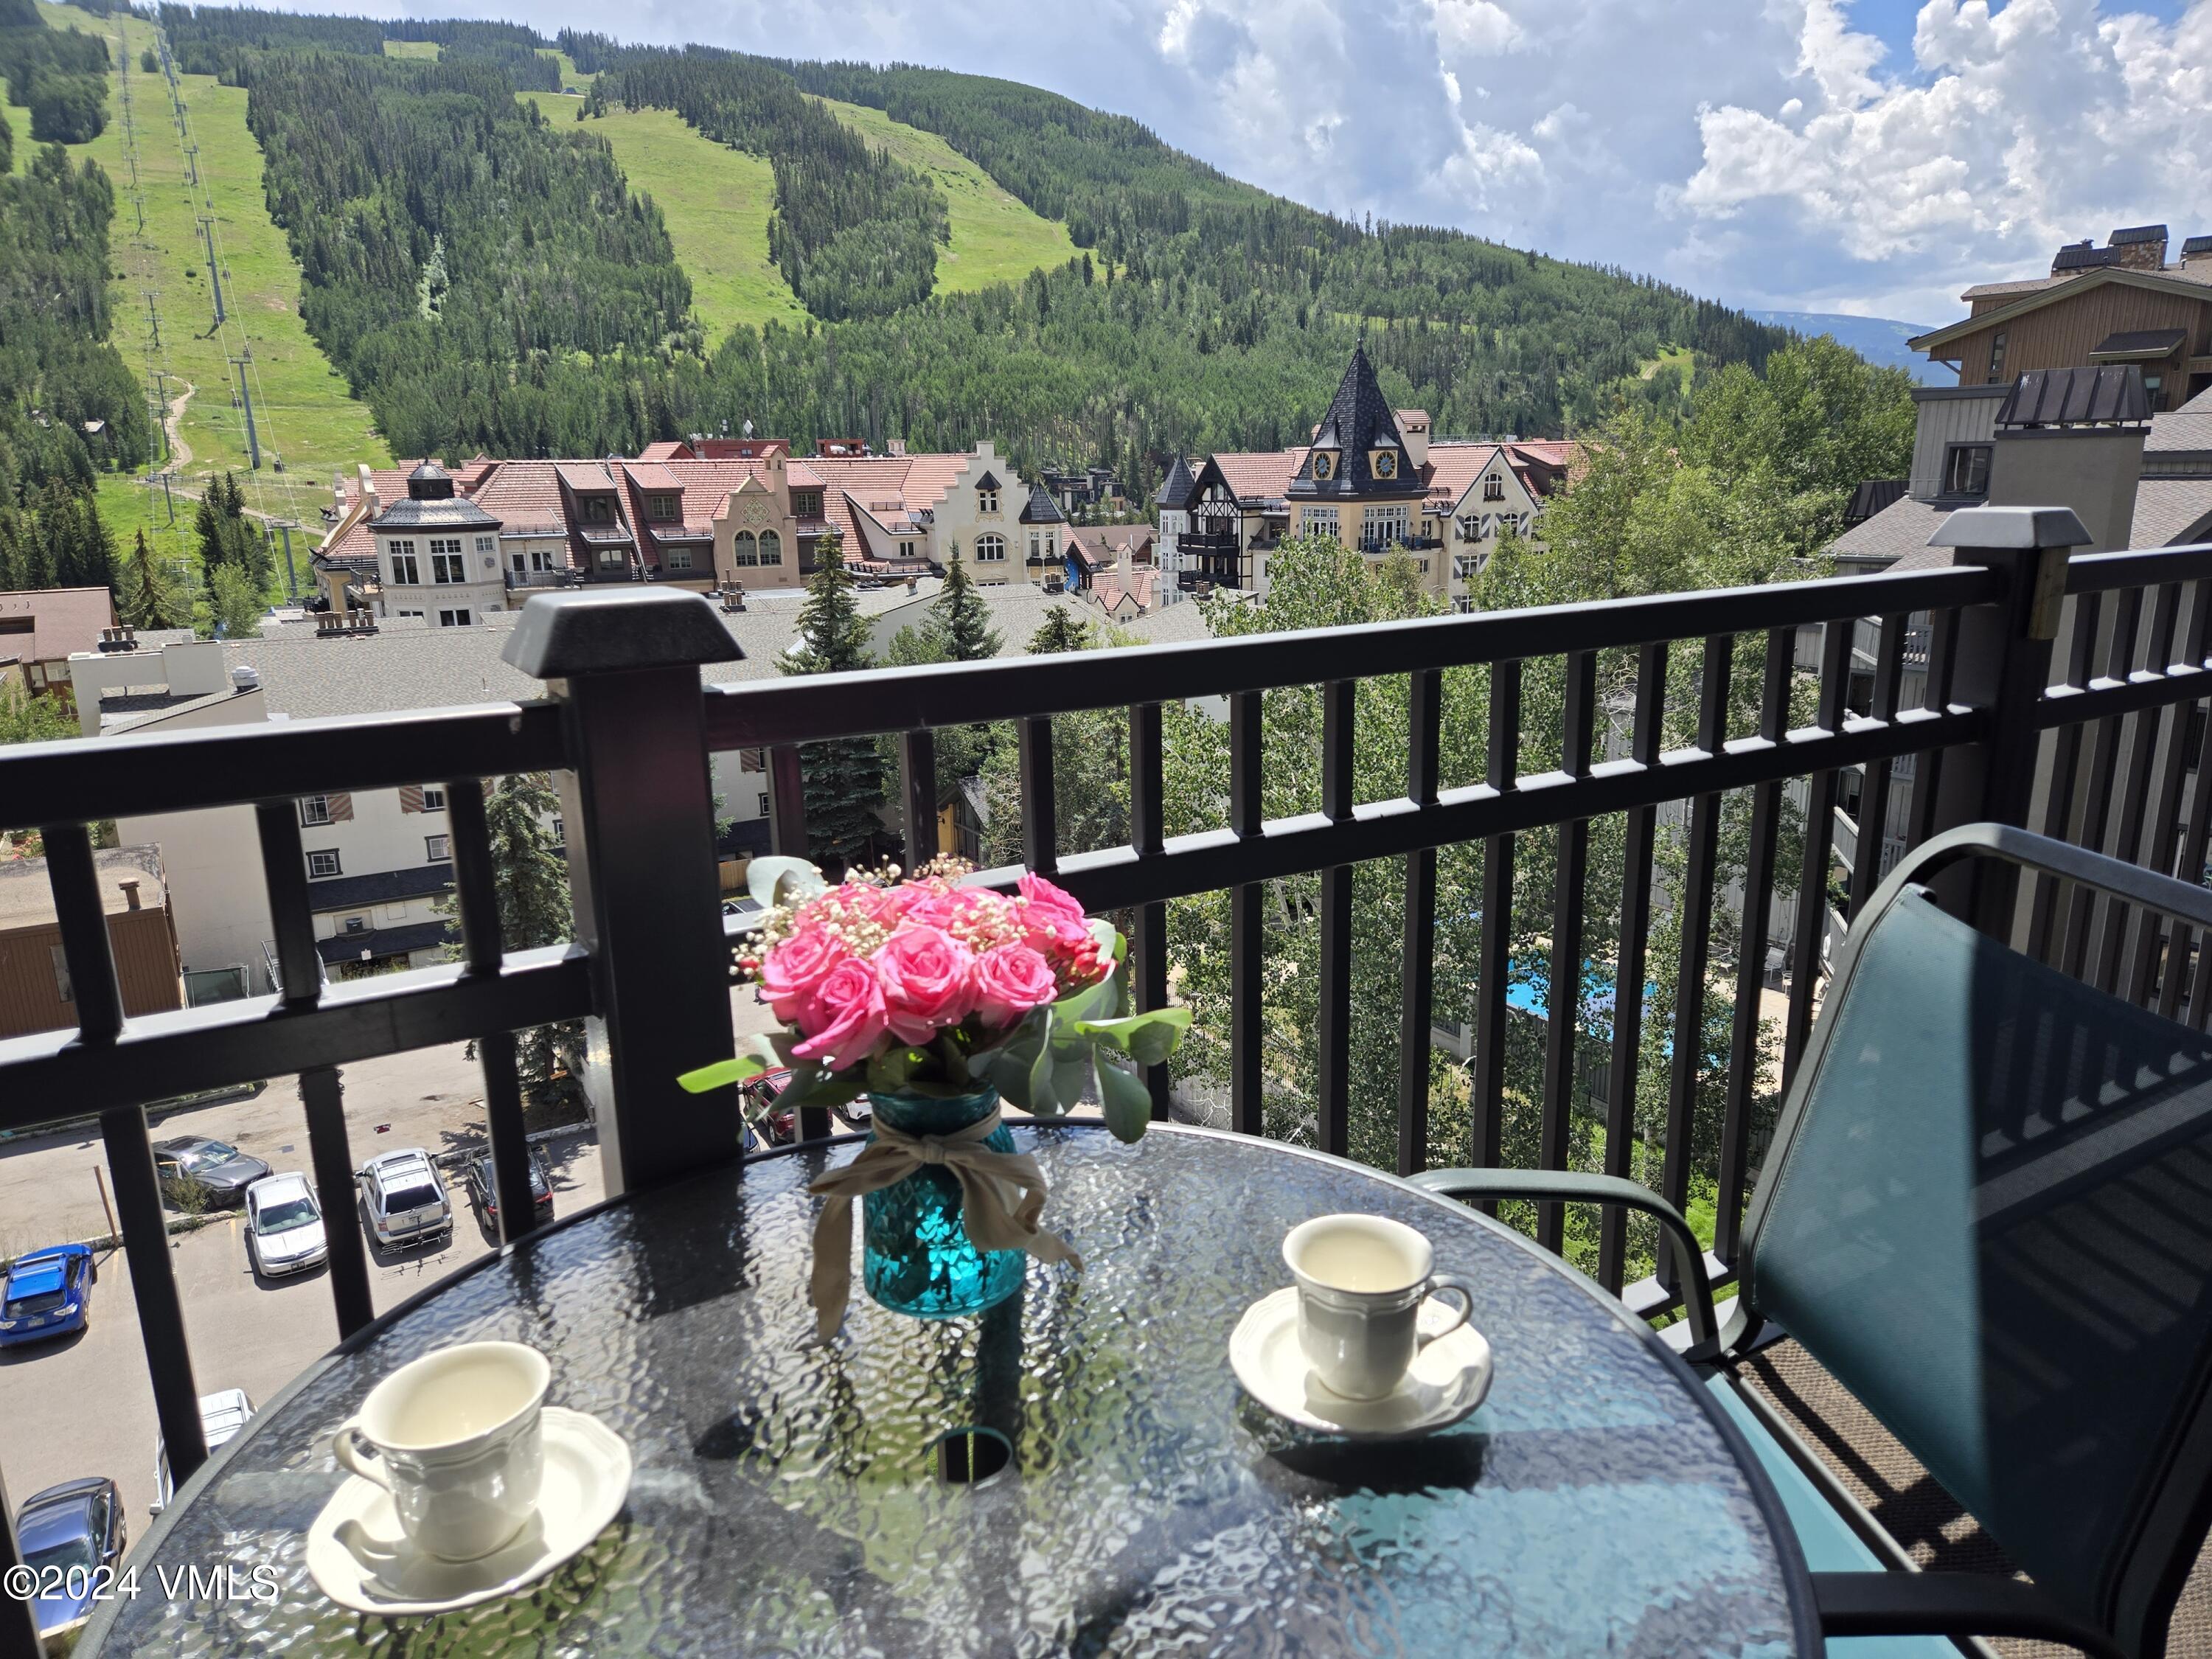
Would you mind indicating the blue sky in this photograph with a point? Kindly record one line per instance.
(1871, 156)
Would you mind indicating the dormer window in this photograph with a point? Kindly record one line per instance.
(805, 503)
(986, 501)
(664, 508)
(1493, 488)
(1383, 463)
(599, 509)
(1324, 464)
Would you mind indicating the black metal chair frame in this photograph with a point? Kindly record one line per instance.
(2172, 1523)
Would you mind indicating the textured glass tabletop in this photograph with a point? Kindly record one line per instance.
(787, 1499)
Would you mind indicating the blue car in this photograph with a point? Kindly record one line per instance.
(46, 1293)
(68, 1533)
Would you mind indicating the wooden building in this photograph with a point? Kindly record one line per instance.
(35, 992)
(2124, 303)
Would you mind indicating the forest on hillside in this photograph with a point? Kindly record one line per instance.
(485, 280)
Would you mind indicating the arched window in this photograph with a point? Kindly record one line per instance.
(771, 551)
(746, 551)
(990, 550)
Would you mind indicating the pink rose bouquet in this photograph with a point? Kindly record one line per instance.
(929, 985)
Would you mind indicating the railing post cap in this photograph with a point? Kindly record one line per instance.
(2011, 527)
(589, 631)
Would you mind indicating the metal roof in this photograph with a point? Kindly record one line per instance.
(2151, 342)
(2198, 245)
(2105, 395)
(2080, 256)
(2135, 233)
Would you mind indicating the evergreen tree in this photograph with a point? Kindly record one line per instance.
(12, 559)
(1059, 633)
(844, 777)
(37, 553)
(958, 618)
(148, 599)
(530, 878)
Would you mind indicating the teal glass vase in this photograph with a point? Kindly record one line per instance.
(919, 1259)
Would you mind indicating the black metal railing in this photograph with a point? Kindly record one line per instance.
(630, 729)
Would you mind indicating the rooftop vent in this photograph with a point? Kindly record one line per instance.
(344, 625)
(243, 679)
(118, 639)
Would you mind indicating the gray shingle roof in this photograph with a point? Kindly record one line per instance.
(1900, 529)
(383, 887)
(2171, 512)
(451, 512)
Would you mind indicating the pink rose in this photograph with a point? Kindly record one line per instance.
(1044, 899)
(848, 1017)
(1010, 981)
(925, 976)
(791, 979)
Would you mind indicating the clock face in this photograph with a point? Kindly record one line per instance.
(1386, 463)
(1323, 464)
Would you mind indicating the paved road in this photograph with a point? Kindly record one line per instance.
(83, 1406)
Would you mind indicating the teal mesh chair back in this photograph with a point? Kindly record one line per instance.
(1988, 1212)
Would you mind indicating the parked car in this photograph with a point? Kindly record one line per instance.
(404, 1199)
(67, 1533)
(46, 1293)
(284, 1226)
(482, 1189)
(214, 1171)
(223, 1414)
(758, 1097)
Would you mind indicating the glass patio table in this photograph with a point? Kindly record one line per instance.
(787, 1495)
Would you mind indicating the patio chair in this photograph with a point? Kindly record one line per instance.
(1987, 1212)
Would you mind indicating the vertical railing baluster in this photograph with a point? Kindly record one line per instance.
(1928, 764)
(1744, 1055)
(1641, 833)
(1040, 811)
(2136, 793)
(1246, 941)
(1812, 923)
(918, 791)
(300, 980)
(786, 800)
(1417, 972)
(2165, 815)
(1873, 794)
(1148, 837)
(475, 893)
(1562, 996)
(1334, 1028)
(2098, 787)
(1494, 973)
(2190, 866)
(1695, 905)
(2065, 767)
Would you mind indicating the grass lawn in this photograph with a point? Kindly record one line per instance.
(410, 49)
(301, 405)
(716, 204)
(995, 238)
(1679, 357)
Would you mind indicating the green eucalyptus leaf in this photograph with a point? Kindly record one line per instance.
(1043, 1096)
(1110, 939)
(1147, 1038)
(773, 881)
(722, 1073)
(1126, 1103)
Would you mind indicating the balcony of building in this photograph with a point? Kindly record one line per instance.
(2051, 695)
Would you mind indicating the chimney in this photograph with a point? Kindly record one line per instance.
(369, 490)
(2138, 247)
(2196, 252)
(129, 886)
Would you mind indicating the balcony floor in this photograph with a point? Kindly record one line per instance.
(1905, 1499)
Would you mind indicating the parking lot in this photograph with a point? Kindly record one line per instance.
(82, 1404)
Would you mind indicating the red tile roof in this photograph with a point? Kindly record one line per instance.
(651, 475)
(1452, 469)
(667, 450)
(584, 477)
(1263, 475)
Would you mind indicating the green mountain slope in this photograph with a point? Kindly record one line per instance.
(488, 276)
(304, 414)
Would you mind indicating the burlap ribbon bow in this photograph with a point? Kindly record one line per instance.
(1001, 1195)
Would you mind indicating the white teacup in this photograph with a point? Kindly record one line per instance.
(1362, 1279)
(454, 1438)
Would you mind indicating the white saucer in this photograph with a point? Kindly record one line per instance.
(588, 1468)
(1447, 1380)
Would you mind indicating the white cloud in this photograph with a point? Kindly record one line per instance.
(1768, 152)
